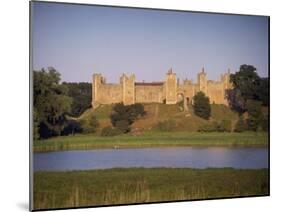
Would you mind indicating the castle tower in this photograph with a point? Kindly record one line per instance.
(96, 82)
(128, 83)
(171, 87)
(226, 80)
(202, 82)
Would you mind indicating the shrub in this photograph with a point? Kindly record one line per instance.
(123, 126)
(137, 109)
(125, 115)
(201, 105)
(110, 131)
(223, 126)
(90, 125)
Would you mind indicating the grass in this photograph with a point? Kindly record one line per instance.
(157, 112)
(141, 185)
(152, 139)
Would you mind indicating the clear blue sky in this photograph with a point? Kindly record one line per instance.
(80, 40)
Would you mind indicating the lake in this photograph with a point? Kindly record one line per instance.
(180, 157)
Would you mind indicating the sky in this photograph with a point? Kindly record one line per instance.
(80, 40)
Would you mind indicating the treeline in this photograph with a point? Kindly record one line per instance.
(55, 104)
(249, 96)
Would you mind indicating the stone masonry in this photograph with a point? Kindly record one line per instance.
(169, 91)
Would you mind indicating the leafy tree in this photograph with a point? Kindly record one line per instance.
(35, 125)
(123, 126)
(127, 114)
(263, 91)
(137, 109)
(235, 100)
(72, 127)
(255, 115)
(50, 101)
(246, 80)
(247, 85)
(81, 94)
(201, 105)
(240, 125)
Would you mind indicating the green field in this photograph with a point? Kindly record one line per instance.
(140, 185)
(152, 139)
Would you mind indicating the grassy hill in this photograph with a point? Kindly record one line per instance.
(173, 114)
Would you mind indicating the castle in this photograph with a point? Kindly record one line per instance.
(169, 91)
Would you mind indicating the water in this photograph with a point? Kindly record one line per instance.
(244, 158)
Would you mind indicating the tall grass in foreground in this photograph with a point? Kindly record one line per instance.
(140, 185)
(152, 139)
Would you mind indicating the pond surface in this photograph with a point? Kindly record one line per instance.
(252, 158)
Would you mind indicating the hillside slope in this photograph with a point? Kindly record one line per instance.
(174, 114)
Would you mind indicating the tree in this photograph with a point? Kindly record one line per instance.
(255, 116)
(247, 85)
(81, 94)
(50, 101)
(123, 126)
(201, 105)
(235, 100)
(35, 125)
(72, 127)
(263, 91)
(246, 80)
(127, 114)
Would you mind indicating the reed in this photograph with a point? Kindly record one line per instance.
(152, 139)
(142, 185)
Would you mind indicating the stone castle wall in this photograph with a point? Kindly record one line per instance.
(169, 91)
(148, 92)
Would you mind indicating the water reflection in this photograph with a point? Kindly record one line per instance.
(153, 157)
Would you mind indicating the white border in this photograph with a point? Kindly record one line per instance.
(14, 54)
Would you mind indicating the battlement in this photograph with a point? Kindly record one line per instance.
(169, 91)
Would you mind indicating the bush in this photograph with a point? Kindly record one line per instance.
(90, 125)
(223, 126)
(166, 125)
(110, 131)
(137, 109)
(201, 105)
(123, 126)
(125, 115)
